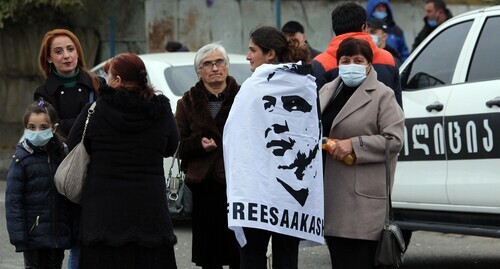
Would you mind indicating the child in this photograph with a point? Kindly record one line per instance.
(37, 215)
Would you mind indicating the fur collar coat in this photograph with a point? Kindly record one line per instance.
(195, 122)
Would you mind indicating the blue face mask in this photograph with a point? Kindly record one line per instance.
(375, 39)
(352, 74)
(40, 138)
(380, 15)
(433, 22)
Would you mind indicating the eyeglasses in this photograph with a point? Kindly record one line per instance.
(209, 65)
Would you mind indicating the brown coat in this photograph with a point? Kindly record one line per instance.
(195, 121)
(355, 196)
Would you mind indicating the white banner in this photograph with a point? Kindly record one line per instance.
(272, 155)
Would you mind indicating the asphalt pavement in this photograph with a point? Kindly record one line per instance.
(426, 251)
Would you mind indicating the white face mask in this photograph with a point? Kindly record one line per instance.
(352, 74)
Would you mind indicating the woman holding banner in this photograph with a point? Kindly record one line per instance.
(272, 156)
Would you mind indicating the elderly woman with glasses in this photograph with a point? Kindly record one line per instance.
(201, 115)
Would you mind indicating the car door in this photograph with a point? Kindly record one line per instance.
(472, 117)
(427, 79)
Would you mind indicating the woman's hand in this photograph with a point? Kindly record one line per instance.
(342, 149)
(208, 144)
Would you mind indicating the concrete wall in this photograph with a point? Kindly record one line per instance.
(193, 23)
(145, 26)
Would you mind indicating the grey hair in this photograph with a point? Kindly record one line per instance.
(207, 50)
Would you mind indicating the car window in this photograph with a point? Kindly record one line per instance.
(100, 72)
(240, 72)
(436, 63)
(181, 78)
(484, 64)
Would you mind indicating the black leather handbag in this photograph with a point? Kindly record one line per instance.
(179, 196)
(391, 246)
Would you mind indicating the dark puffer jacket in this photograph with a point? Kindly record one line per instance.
(37, 215)
(396, 37)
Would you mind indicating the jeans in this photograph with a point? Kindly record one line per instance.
(74, 258)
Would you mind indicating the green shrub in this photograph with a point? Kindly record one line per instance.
(33, 11)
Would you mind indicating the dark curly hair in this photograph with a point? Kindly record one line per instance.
(287, 50)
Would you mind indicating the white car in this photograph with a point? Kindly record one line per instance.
(173, 74)
(448, 173)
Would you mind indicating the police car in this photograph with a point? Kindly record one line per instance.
(448, 174)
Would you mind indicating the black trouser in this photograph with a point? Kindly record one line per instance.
(347, 253)
(253, 254)
(48, 258)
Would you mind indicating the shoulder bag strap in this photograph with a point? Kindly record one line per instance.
(173, 184)
(90, 112)
(175, 159)
(388, 212)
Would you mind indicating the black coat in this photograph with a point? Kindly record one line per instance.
(124, 198)
(37, 215)
(68, 102)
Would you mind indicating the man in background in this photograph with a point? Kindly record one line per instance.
(382, 10)
(435, 14)
(349, 20)
(295, 29)
(378, 30)
(174, 46)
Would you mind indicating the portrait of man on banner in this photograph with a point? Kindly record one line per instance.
(272, 155)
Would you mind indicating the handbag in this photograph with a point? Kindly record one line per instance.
(391, 246)
(179, 196)
(71, 174)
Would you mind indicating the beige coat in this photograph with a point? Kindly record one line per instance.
(355, 196)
